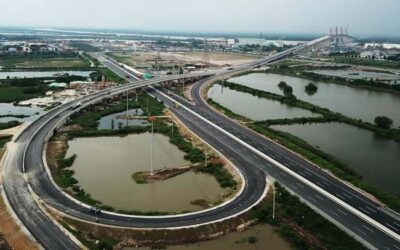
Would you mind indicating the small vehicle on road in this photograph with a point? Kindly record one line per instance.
(76, 106)
(95, 210)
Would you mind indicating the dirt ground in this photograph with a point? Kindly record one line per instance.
(168, 59)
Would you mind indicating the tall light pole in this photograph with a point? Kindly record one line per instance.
(151, 118)
(273, 205)
(127, 107)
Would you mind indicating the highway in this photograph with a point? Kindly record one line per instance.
(255, 159)
(24, 169)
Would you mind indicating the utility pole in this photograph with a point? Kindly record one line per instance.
(172, 127)
(151, 118)
(147, 104)
(127, 107)
(205, 159)
(273, 206)
(183, 84)
(151, 148)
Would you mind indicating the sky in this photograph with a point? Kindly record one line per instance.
(366, 17)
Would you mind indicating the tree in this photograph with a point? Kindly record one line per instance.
(311, 88)
(288, 90)
(383, 122)
(282, 84)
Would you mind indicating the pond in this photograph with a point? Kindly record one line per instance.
(116, 120)
(377, 159)
(353, 102)
(254, 107)
(359, 74)
(104, 168)
(7, 109)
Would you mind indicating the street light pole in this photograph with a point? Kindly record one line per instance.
(273, 206)
(127, 107)
(151, 118)
(151, 148)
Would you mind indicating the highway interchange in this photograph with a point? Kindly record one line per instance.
(253, 154)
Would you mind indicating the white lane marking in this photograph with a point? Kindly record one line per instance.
(291, 164)
(369, 229)
(341, 211)
(371, 209)
(397, 224)
(365, 211)
(293, 186)
(396, 246)
(348, 196)
(283, 174)
(387, 224)
(311, 198)
(298, 184)
(358, 229)
(341, 197)
(319, 197)
(334, 213)
(325, 182)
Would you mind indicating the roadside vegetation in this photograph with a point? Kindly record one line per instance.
(365, 61)
(301, 226)
(84, 46)
(85, 125)
(19, 89)
(46, 60)
(10, 124)
(311, 153)
(304, 71)
(4, 139)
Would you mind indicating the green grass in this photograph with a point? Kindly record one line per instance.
(365, 62)
(11, 94)
(224, 178)
(289, 207)
(302, 71)
(49, 60)
(4, 140)
(10, 124)
(110, 75)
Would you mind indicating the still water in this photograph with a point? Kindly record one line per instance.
(9, 109)
(253, 107)
(114, 121)
(33, 74)
(104, 168)
(359, 74)
(377, 159)
(266, 239)
(353, 102)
